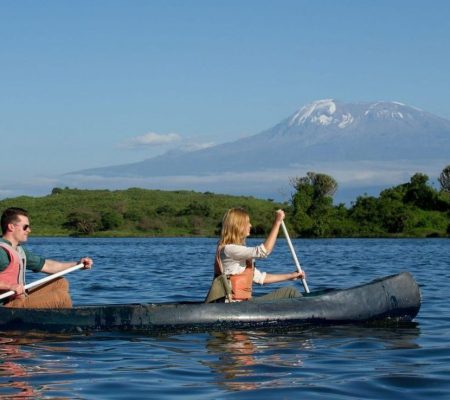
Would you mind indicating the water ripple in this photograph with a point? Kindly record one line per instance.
(338, 362)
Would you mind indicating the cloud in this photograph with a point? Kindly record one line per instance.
(354, 179)
(269, 182)
(171, 142)
(199, 146)
(151, 139)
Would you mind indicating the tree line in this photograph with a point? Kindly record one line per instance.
(412, 209)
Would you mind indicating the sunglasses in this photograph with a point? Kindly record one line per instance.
(24, 227)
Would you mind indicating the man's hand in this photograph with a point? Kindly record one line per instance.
(87, 261)
(18, 288)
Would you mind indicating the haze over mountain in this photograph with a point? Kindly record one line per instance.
(356, 143)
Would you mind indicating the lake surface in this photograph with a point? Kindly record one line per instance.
(339, 362)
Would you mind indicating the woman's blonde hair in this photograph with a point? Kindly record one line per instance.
(234, 227)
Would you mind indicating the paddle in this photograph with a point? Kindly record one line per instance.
(294, 256)
(44, 280)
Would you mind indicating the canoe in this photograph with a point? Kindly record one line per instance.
(394, 298)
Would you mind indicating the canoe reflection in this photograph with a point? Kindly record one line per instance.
(13, 372)
(253, 360)
(244, 357)
(19, 365)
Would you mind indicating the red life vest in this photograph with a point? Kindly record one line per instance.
(241, 284)
(11, 273)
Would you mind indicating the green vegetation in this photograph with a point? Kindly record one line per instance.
(413, 209)
(137, 212)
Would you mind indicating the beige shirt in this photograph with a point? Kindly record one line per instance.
(234, 259)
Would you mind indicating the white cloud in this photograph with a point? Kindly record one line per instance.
(347, 174)
(199, 146)
(151, 139)
(356, 177)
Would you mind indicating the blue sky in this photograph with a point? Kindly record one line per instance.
(94, 83)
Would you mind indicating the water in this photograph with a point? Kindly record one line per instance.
(338, 362)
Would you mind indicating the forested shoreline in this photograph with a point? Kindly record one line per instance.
(412, 209)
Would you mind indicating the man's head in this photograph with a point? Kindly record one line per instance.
(15, 222)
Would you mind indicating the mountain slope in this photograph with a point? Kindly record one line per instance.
(323, 131)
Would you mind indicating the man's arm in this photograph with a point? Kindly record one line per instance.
(52, 266)
(15, 287)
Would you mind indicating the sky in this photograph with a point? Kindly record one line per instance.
(87, 84)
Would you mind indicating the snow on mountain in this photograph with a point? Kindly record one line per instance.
(320, 112)
(323, 133)
(327, 112)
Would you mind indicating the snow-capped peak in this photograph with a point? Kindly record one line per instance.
(321, 112)
(388, 110)
(329, 113)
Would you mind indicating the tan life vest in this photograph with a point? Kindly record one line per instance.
(241, 284)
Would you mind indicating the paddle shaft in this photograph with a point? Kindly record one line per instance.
(44, 280)
(294, 256)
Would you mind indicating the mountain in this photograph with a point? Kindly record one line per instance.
(326, 135)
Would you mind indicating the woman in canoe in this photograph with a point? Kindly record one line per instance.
(234, 266)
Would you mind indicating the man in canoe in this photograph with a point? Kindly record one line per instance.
(234, 263)
(14, 259)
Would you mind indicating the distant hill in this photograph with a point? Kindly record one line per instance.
(137, 212)
(362, 145)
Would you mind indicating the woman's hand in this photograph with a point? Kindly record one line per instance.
(298, 275)
(279, 216)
